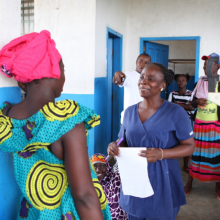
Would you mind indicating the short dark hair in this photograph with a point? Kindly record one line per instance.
(143, 54)
(188, 77)
(167, 74)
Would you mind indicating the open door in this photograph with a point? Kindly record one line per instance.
(159, 53)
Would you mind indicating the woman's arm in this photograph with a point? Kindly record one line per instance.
(183, 149)
(196, 102)
(187, 107)
(78, 173)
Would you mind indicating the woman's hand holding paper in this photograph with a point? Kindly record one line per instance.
(113, 149)
(152, 154)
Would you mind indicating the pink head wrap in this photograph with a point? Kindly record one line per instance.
(29, 57)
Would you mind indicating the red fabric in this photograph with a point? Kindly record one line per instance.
(205, 57)
(29, 57)
(98, 158)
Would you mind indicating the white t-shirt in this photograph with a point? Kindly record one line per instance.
(131, 91)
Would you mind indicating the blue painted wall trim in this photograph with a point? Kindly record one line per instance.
(10, 94)
(9, 192)
(116, 106)
(114, 33)
(169, 38)
(101, 109)
(88, 101)
(197, 58)
(118, 92)
(103, 90)
(84, 99)
(197, 38)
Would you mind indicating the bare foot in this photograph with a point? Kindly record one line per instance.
(188, 186)
(217, 190)
(186, 169)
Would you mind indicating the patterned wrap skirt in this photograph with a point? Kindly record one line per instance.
(205, 161)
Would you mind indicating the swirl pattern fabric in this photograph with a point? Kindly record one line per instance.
(60, 111)
(46, 184)
(100, 193)
(5, 128)
(41, 176)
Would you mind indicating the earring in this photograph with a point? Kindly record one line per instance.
(161, 89)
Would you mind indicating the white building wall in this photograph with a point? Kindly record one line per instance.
(184, 49)
(172, 18)
(72, 26)
(10, 26)
(111, 14)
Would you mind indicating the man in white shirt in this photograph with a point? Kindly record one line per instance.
(131, 92)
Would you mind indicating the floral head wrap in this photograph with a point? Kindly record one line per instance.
(111, 185)
(98, 158)
(29, 57)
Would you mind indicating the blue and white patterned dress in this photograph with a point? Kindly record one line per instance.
(41, 176)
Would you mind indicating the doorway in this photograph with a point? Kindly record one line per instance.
(159, 53)
(109, 98)
(183, 56)
(115, 95)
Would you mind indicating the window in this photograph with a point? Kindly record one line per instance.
(27, 16)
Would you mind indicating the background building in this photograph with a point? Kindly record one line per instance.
(98, 37)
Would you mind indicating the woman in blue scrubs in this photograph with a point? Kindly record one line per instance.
(165, 130)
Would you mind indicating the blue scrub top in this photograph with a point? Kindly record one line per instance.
(168, 125)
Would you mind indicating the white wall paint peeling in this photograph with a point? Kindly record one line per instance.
(72, 26)
(10, 26)
(159, 18)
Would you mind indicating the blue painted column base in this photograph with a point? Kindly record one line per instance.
(10, 194)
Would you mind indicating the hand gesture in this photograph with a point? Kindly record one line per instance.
(152, 154)
(113, 149)
(202, 102)
(117, 78)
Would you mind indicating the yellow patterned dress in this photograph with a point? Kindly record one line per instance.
(40, 175)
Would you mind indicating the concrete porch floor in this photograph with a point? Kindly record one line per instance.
(202, 203)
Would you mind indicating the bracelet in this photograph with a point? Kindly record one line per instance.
(162, 154)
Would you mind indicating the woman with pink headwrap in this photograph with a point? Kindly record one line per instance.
(44, 136)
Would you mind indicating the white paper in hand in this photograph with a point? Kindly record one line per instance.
(133, 172)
